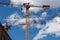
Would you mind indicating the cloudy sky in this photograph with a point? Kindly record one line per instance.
(48, 21)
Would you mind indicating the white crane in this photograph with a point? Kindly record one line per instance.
(27, 6)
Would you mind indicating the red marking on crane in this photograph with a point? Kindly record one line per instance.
(27, 6)
(46, 6)
(7, 26)
(35, 22)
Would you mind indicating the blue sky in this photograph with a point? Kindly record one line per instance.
(18, 33)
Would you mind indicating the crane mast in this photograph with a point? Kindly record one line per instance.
(27, 22)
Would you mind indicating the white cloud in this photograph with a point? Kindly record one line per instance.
(43, 15)
(52, 27)
(38, 26)
(12, 18)
(15, 19)
(20, 21)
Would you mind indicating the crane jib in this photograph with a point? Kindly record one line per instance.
(4, 3)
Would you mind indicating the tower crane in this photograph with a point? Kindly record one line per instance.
(27, 6)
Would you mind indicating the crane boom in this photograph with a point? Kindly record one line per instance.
(5, 3)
